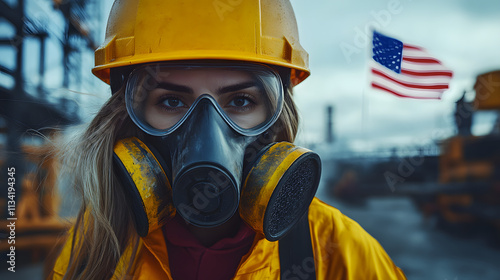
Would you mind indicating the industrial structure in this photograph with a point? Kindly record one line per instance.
(458, 185)
(36, 38)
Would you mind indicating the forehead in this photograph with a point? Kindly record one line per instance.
(203, 76)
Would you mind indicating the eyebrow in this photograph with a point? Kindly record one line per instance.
(175, 87)
(236, 87)
(222, 90)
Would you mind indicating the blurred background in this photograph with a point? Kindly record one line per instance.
(421, 176)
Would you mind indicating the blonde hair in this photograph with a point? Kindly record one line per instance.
(104, 226)
(287, 124)
(102, 229)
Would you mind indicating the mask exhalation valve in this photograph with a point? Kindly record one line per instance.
(205, 195)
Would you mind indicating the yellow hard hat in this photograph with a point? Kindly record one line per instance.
(143, 31)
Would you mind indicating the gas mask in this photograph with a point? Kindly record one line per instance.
(204, 158)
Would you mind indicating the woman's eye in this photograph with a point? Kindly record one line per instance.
(240, 102)
(172, 103)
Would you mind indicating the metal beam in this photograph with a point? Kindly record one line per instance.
(5, 41)
(10, 14)
(6, 70)
(18, 73)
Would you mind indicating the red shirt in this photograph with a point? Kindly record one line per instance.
(190, 260)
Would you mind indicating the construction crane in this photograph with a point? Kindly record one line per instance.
(472, 162)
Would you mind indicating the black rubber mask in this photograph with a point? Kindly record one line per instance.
(206, 164)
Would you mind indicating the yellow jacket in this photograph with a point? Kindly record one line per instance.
(342, 250)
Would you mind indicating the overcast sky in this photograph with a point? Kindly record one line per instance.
(464, 35)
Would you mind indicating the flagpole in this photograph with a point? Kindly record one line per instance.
(364, 114)
(364, 98)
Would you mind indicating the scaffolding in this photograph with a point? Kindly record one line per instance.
(57, 28)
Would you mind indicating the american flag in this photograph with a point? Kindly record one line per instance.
(407, 70)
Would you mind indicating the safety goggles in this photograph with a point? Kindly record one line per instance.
(161, 96)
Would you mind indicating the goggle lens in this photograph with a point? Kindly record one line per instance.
(159, 97)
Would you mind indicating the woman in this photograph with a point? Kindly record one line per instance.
(182, 171)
